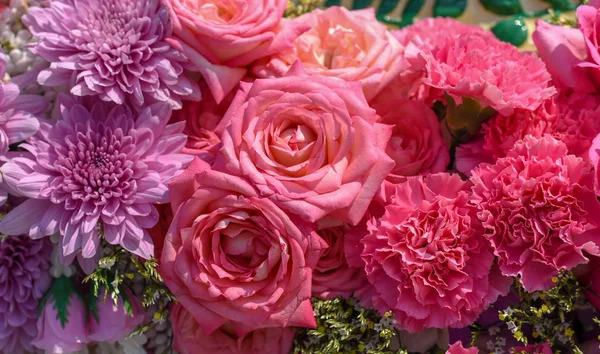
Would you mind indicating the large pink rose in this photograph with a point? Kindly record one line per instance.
(189, 338)
(538, 207)
(222, 37)
(308, 143)
(427, 258)
(231, 255)
(333, 276)
(416, 146)
(351, 45)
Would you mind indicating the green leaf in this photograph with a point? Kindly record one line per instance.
(502, 7)
(513, 31)
(449, 8)
(464, 120)
(60, 293)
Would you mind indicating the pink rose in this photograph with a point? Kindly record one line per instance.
(457, 348)
(543, 348)
(231, 255)
(202, 124)
(416, 146)
(222, 37)
(112, 323)
(427, 258)
(189, 338)
(538, 208)
(308, 143)
(563, 49)
(350, 45)
(589, 19)
(57, 336)
(333, 276)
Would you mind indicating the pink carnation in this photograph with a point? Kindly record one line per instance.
(465, 61)
(543, 348)
(350, 45)
(416, 145)
(95, 174)
(333, 276)
(578, 122)
(428, 35)
(457, 348)
(427, 258)
(539, 210)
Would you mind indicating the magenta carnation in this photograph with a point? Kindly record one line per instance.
(427, 258)
(24, 279)
(539, 210)
(96, 174)
(466, 61)
(112, 49)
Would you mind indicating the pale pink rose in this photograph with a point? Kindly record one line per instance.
(416, 146)
(311, 144)
(189, 338)
(232, 255)
(222, 37)
(563, 49)
(60, 338)
(351, 45)
(112, 323)
(427, 35)
(202, 124)
(333, 276)
(427, 258)
(538, 348)
(538, 208)
(457, 348)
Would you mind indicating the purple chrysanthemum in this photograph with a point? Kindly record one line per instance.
(96, 173)
(114, 49)
(17, 120)
(24, 279)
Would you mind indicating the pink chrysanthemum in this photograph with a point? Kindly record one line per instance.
(24, 279)
(96, 174)
(427, 257)
(465, 61)
(17, 116)
(111, 49)
(539, 209)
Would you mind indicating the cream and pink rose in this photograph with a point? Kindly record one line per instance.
(351, 45)
(189, 338)
(539, 208)
(222, 37)
(427, 258)
(231, 255)
(311, 144)
(416, 146)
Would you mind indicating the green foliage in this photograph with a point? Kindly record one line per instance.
(546, 313)
(297, 8)
(345, 327)
(464, 120)
(60, 294)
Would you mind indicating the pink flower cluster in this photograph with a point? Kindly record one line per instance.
(265, 161)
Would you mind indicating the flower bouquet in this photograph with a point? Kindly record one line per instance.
(189, 176)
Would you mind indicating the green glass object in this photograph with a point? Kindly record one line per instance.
(561, 5)
(502, 7)
(361, 4)
(330, 3)
(386, 7)
(513, 31)
(449, 8)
